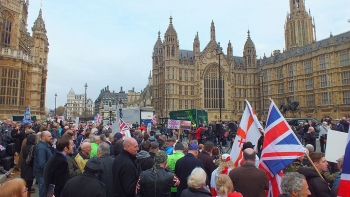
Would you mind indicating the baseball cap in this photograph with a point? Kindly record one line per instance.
(117, 136)
(193, 147)
(29, 131)
(225, 157)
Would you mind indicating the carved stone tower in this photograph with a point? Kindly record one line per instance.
(299, 29)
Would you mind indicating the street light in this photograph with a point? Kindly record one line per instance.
(219, 52)
(120, 107)
(55, 103)
(85, 98)
(262, 73)
(166, 100)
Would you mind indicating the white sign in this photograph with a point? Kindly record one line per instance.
(77, 122)
(336, 144)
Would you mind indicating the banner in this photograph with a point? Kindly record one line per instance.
(336, 141)
(185, 125)
(173, 124)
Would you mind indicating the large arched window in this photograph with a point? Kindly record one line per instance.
(6, 30)
(211, 88)
(172, 51)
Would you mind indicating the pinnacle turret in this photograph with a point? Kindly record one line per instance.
(39, 24)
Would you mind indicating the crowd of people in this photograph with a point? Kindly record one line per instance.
(87, 160)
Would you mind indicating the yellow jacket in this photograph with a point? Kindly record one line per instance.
(81, 160)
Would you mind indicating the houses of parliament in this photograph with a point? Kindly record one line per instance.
(23, 61)
(316, 73)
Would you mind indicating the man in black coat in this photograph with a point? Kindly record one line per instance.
(56, 169)
(86, 184)
(317, 185)
(185, 165)
(204, 156)
(124, 170)
(106, 176)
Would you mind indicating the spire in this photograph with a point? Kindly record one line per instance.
(249, 43)
(171, 20)
(39, 24)
(170, 31)
(248, 33)
(212, 31)
(150, 76)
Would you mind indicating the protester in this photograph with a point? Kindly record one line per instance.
(83, 156)
(56, 170)
(96, 140)
(172, 159)
(144, 161)
(317, 185)
(196, 184)
(225, 166)
(247, 179)
(223, 185)
(335, 186)
(293, 167)
(106, 160)
(14, 188)
(310, 137)
(125, 173)
(154, 149)
(42, 154)
(169, 145)
(157, 178)
(185, 165)
(86, 184)
(322, 136)
(118, 137)
(294, 184)
(27, 168)
(205, 157)
(72, 164)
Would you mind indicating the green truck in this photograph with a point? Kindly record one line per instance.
(197, 116)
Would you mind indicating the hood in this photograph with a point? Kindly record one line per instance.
(308, 172)
(142, 154)
(31, 139)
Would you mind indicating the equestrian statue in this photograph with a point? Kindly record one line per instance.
(290, 106)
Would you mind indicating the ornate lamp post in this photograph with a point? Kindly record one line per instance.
(55, 103)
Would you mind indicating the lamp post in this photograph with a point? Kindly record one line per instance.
(85, 99)
(219, 52)
(120, 107)
(262, 73)
(55, 102)
(166, 100)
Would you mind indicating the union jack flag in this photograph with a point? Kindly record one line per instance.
(281, 147)
(344, 184)
(154, 119)
(122, 125)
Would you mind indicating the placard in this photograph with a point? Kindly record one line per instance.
(185, 125)
(336, 144)
(173, 124)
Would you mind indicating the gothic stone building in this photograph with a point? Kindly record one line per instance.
(23, 61)
(314, 73)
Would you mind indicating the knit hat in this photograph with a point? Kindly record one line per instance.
(179, 146)
(225, 157)
(93, 165)
(160, 157)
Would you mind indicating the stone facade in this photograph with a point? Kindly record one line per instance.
(23, 61)
(143, 98)
(75, 106)
(107, 97)
(314, 73)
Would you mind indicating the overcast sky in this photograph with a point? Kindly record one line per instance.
(110, 42)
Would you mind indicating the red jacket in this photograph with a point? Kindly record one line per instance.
(199, 133)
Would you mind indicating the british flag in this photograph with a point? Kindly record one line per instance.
(344, 184)
(122, 125)
(154, 119)
(281, 147)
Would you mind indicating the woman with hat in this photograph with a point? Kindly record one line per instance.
(225, 166)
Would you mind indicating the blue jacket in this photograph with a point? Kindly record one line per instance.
(42, 153)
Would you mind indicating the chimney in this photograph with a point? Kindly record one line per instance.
(121, 88)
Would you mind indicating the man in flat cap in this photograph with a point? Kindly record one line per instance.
(156, 178)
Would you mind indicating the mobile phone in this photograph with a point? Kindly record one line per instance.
(50, 190)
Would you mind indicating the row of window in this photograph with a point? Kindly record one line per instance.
(12, 86)
(170, 73)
